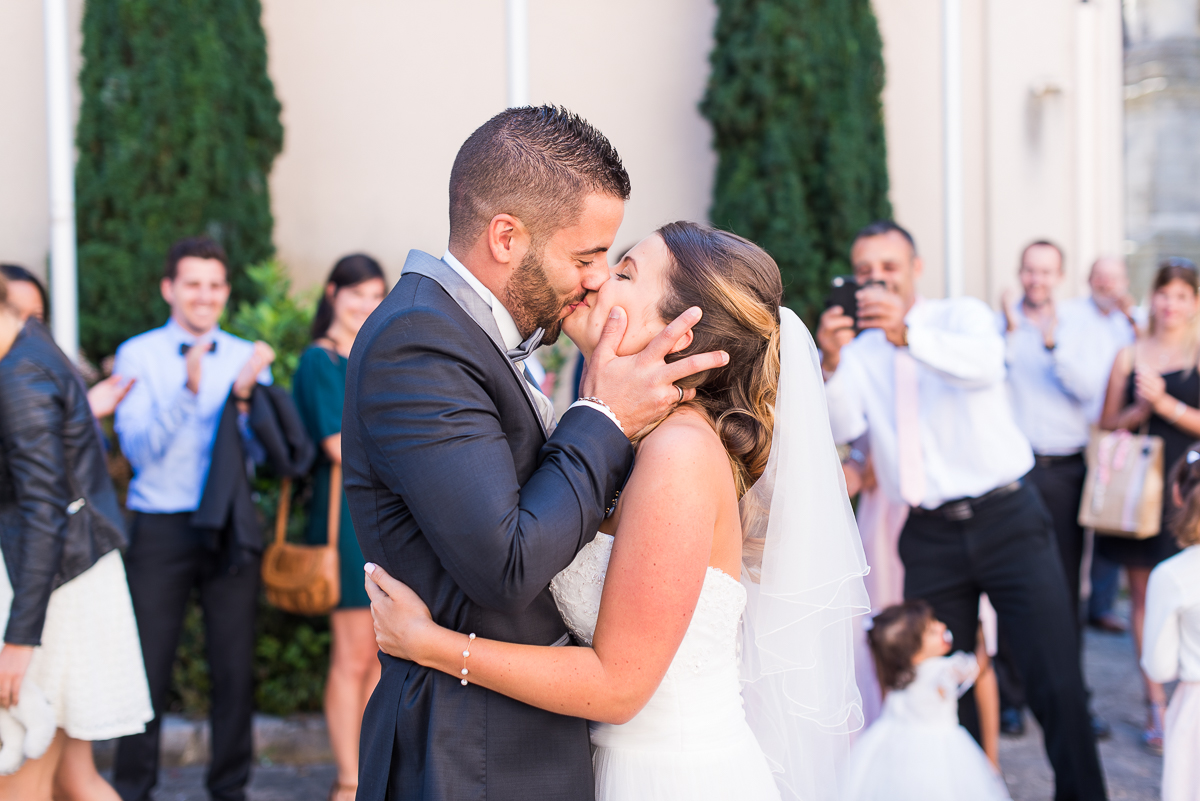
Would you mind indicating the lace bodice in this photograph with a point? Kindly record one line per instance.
(711, 641)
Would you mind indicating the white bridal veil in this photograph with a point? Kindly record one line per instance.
(803, 568)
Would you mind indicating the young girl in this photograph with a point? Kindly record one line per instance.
(1171, 639)
(917, 750)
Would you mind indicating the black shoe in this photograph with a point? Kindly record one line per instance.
(1109, 623)
(1012, 722)
(1100, 727)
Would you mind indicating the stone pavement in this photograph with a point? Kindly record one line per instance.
(1132, 773)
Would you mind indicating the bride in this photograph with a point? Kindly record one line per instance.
(714, 609)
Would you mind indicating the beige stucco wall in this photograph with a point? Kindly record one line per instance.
(377, 99)
(378, 95)
(1042, 84)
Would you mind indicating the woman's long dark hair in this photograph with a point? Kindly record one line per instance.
(349, 271)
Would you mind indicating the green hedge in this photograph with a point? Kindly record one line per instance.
(794, 101)
(178, 129)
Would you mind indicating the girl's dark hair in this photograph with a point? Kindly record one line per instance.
(15, 272)
(1185, 521)
(349, 271)
(737, 285)
(895, 638)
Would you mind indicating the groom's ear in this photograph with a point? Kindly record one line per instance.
(507, 239)
(683, 342)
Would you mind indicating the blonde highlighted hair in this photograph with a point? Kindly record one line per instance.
(738, 287)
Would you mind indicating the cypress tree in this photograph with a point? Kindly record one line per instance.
(794, 101)
(177, 133)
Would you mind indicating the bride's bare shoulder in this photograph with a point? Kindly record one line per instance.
(686, 439)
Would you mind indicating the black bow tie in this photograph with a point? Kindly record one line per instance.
(185, 347)
(522, 351)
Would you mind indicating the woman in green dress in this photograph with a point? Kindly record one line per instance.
(353, 290)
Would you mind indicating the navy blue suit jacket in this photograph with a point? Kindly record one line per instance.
(455, 489)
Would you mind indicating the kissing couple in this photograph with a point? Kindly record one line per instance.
(651, 598)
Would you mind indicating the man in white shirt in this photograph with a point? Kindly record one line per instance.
(925, 380)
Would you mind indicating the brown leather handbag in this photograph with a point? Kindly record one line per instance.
(304, 579)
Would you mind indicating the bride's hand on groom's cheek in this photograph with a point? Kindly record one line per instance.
(400, 615)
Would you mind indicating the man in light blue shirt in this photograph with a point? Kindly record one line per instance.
(1059, 356)
(184, 373)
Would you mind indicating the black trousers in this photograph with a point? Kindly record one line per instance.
(1059, 480)
(1007, 549)
(165, 560)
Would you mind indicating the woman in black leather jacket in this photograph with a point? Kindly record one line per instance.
(68, 621)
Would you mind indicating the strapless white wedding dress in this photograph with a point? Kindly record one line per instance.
(691, 741)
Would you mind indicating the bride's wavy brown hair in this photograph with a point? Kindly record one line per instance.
(737, 286)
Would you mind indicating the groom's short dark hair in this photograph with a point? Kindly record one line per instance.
(536, 163)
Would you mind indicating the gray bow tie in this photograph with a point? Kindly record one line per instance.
(522, 351)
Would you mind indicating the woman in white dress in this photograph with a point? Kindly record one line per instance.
(686, 704)
(69, 630)
(1171, 640)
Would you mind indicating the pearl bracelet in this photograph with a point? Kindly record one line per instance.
(1180, 409)
(466, 653)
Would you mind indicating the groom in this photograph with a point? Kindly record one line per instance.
(459, 483)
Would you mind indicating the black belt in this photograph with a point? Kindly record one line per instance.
(965, 508)
(1051, 461)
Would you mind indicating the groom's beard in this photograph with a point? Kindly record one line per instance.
(532, 302)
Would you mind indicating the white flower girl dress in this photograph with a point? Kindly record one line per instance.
(917, 751)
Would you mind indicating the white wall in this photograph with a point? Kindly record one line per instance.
(377, 99)
(378, 95)
(24, 169)
(1042, 125)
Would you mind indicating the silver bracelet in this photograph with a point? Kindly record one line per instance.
(599, 402)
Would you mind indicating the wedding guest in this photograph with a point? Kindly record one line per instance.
(352, 291)
(1112, 304)
(880, 521)
(1058, 356)
(69, 629)
(1172, 635)
(185, 372)
(916, 750)
(1155, 386)
(926, 381)
(27, 297)
(26, 293)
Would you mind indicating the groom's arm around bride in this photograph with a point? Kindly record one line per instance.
(453, 484)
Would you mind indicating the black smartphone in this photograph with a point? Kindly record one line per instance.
(842, 292)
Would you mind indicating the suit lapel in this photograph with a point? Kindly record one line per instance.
(468, 299)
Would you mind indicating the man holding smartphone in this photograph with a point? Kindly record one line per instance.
(925, 382)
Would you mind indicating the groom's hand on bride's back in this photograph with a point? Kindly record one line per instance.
(640, 389)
